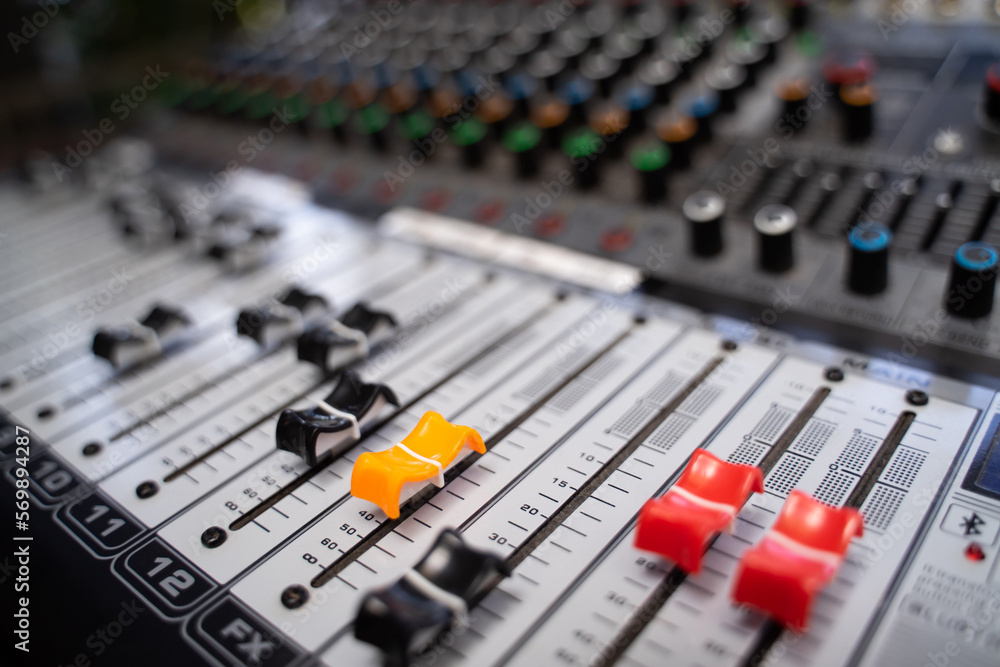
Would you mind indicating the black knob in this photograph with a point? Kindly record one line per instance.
(497, 61)
(681, 10)
(520, 43)
(749, 53)
(470, 134)
(799, 13)
(550, 115)
(546, 66)
(650, 160)
(726, 79)
(576, 92)
(637, 99)
(868, 261)
(848, 67)
(583, 148)
(704, 211)
(794, 95)
(769, 30)
(372, 122)
(659, 73)
(704, 108)
(740, 10)
(496, 112)
(992, 101)
(523, 141)
(644, 22)
(601, 69)
(859, 111)
(569, 46)
(972, 279)
(609, 121)
(680, 131)
(623, 48)
(520, 88)
(775, 225)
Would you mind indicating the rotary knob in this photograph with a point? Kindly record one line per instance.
(704, 211)
(775, 225)
(972, 279)
(868, 262)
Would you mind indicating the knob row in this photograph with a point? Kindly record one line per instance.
(971, 280)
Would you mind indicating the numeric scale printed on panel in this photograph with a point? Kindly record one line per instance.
(514, 333)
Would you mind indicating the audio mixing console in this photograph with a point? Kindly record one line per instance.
(559, 333)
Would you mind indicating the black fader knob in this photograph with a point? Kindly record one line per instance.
(334, 424)
(704, 211)
(868, 259)
(775, 225)
(972, 280)
(271, 324)
(407, 616)
(137, 342)
(340, 342)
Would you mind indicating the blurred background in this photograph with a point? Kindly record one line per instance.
(64, 63)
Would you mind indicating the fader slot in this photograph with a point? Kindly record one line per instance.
(265, 532)
(231, 351)
(143, 433)
(840, 609)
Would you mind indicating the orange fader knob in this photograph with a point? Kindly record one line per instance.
(423, 456)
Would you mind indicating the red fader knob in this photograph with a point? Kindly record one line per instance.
(702, 503)
(782, 574)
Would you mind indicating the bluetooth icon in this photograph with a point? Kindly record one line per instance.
(971, 524)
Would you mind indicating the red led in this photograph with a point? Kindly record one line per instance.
(702, 503)
(550, 225)
(436, 200)
(993, 77)
(616, 240)
(974, 552)
(490, 212)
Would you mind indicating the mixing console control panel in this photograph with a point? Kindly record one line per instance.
(561, 332)
(592, 125)
(373, 446)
